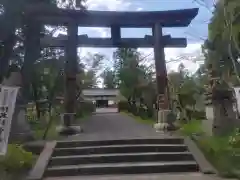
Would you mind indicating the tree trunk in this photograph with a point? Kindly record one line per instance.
(7, 53)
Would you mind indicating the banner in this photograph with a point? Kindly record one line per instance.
(8, 97)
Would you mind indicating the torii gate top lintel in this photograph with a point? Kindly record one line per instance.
(87, 18)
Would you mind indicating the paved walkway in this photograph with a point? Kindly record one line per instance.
(106, 110)
(115, 126)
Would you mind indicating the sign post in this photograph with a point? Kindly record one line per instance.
(8, 97)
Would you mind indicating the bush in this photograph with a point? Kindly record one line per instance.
(142, 112)
(123, 106)
(198, 115)
(88, 107)
(192, 127)
(221, 154)
(84, 108)
(16, 159)
(134, 109)
(150, 112)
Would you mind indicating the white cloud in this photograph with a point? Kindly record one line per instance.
(123, 5)
(175, 53)
(111, 5)
(139, 9)
(107, 5)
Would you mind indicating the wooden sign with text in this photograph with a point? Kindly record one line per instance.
(8, 97)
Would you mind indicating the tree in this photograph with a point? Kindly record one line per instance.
(92, 64)
(222, 47)
(109, 79)
(127, 71)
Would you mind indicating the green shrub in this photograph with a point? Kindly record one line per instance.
(234, 139)
(192, 127)
(150, 112)
(198, 115)
(123, 106)
(142, 112)
(84, 108)
(218, 151)
(223, 152)
(88, 107)
(16, 159)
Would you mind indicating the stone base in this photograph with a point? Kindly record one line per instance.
(20, 129)
(207, 124)
(162, 124)
(70, 130)
(160, 127)
(68, 118)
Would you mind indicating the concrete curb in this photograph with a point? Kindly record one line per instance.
(204, 165)
(38, 170)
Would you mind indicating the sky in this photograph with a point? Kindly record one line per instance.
(195, 33)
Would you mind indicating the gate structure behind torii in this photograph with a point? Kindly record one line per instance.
(42, 14)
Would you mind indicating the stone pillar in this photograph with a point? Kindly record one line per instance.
(70, 79)
(207, 124)
(161, 77)
(20, 129)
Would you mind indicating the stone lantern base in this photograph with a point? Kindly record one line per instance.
(162, 124)
(67, 128)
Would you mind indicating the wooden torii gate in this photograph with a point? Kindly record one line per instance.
(38, 15)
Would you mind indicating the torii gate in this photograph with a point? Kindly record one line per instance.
(42, 14)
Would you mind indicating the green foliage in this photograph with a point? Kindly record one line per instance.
(223, 38)
(234, 139)
(148, 121)
(39, 125)
(130, 73)
(84, 109)
(198, 115)
(192, 127)
(222, 153)
(109, 79)
(123, 106)
(143, 112)
(52, 133)
(16, 159)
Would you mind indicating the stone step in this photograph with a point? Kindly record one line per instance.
(67, 144)
(155, 176)
(119, 158)
(122, 168)
(120, 149)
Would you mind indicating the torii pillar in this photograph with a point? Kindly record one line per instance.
(163, 104)
(70, 79)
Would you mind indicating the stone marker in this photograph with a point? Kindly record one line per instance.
(20, 129)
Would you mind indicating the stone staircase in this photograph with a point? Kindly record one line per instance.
(132, 156)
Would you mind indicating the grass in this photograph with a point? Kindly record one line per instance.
(139, 119)
(220, 154)
(84, 117)
(192, 127)
(218, 150)
(51, 135)
(16, 163)
(39, 129)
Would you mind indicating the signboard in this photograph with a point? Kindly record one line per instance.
(8, 97)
